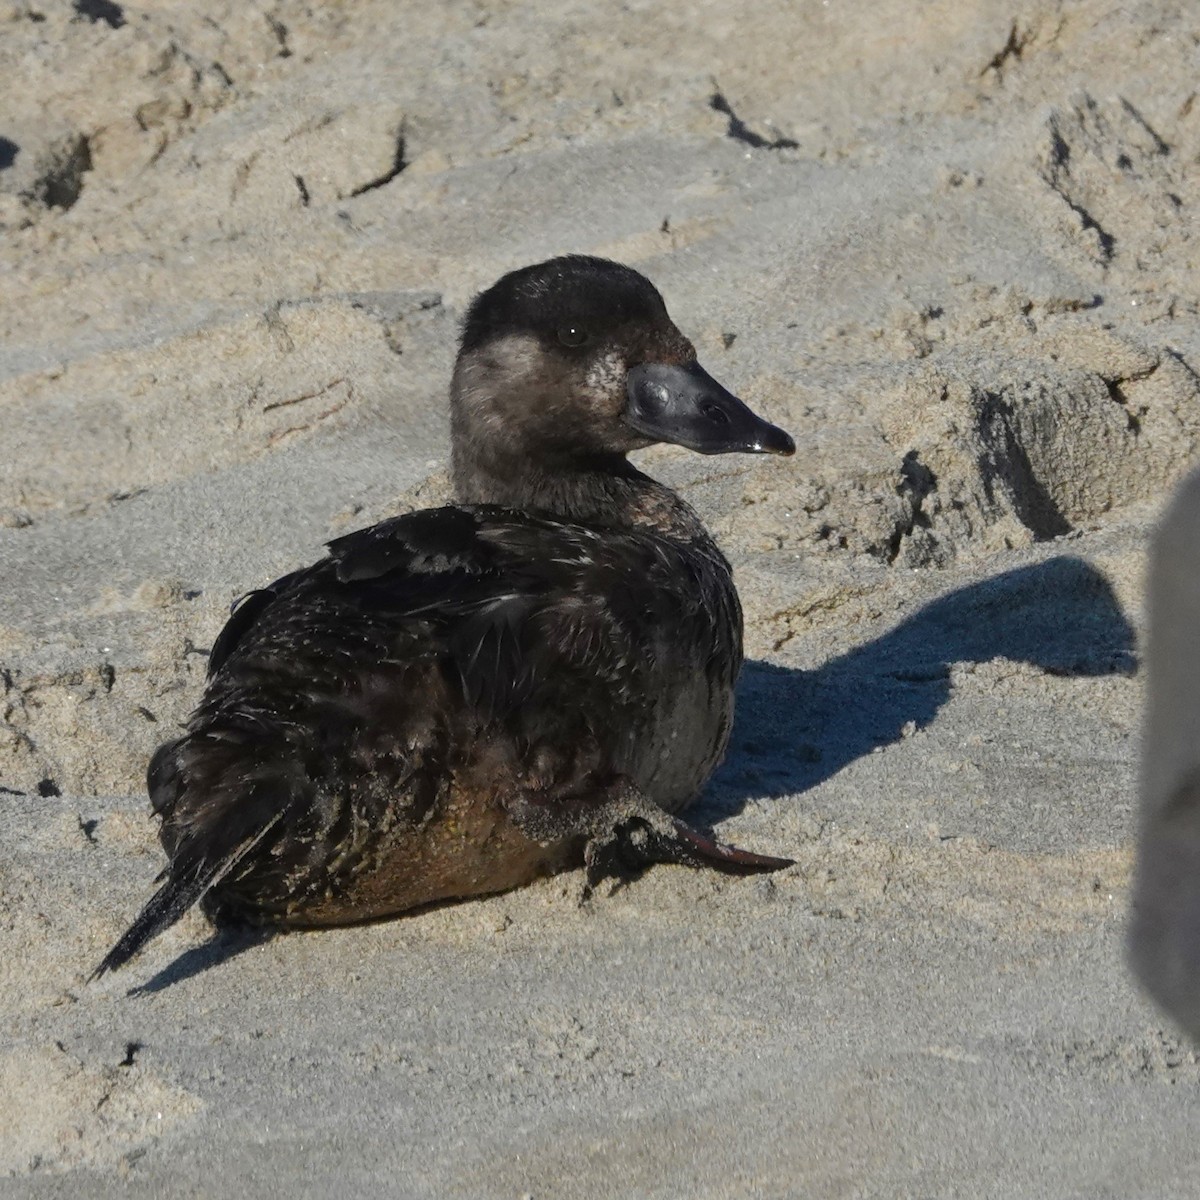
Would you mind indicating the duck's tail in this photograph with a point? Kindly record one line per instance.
(183, 884)
(162, 910)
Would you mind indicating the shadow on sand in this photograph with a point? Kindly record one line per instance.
(795, 729)
(221, 947)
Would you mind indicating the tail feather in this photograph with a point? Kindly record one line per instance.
(182, 888)
(162, 910)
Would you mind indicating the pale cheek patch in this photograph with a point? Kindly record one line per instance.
(605, 378)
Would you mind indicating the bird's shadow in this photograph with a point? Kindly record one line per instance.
(221, 947)
(795, 729)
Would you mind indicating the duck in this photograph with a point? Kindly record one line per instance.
(456, 701)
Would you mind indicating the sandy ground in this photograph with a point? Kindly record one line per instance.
(951, 246)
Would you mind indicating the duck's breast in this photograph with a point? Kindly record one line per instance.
(692, 668)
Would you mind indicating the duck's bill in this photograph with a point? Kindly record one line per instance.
(687, 406)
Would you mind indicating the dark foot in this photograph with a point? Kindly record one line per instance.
(623, 832)
(633, 844)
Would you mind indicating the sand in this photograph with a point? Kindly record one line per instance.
(950, 246)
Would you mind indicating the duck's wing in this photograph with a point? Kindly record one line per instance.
(435, 546)
(518, 605)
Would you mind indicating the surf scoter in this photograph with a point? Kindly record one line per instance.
(458, 700)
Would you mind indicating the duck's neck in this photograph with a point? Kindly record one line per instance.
(607, 491)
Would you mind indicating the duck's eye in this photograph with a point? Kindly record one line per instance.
(572, 335)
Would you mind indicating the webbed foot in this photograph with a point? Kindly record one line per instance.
(635, 842)
(623, 832)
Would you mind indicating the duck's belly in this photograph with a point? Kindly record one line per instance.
(472, 848)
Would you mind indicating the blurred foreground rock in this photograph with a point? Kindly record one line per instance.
(1165, 935)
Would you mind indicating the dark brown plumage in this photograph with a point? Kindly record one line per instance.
(458, 700)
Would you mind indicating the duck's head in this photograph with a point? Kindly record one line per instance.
(573, 363)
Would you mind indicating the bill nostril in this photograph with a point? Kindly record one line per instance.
(715, 413)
